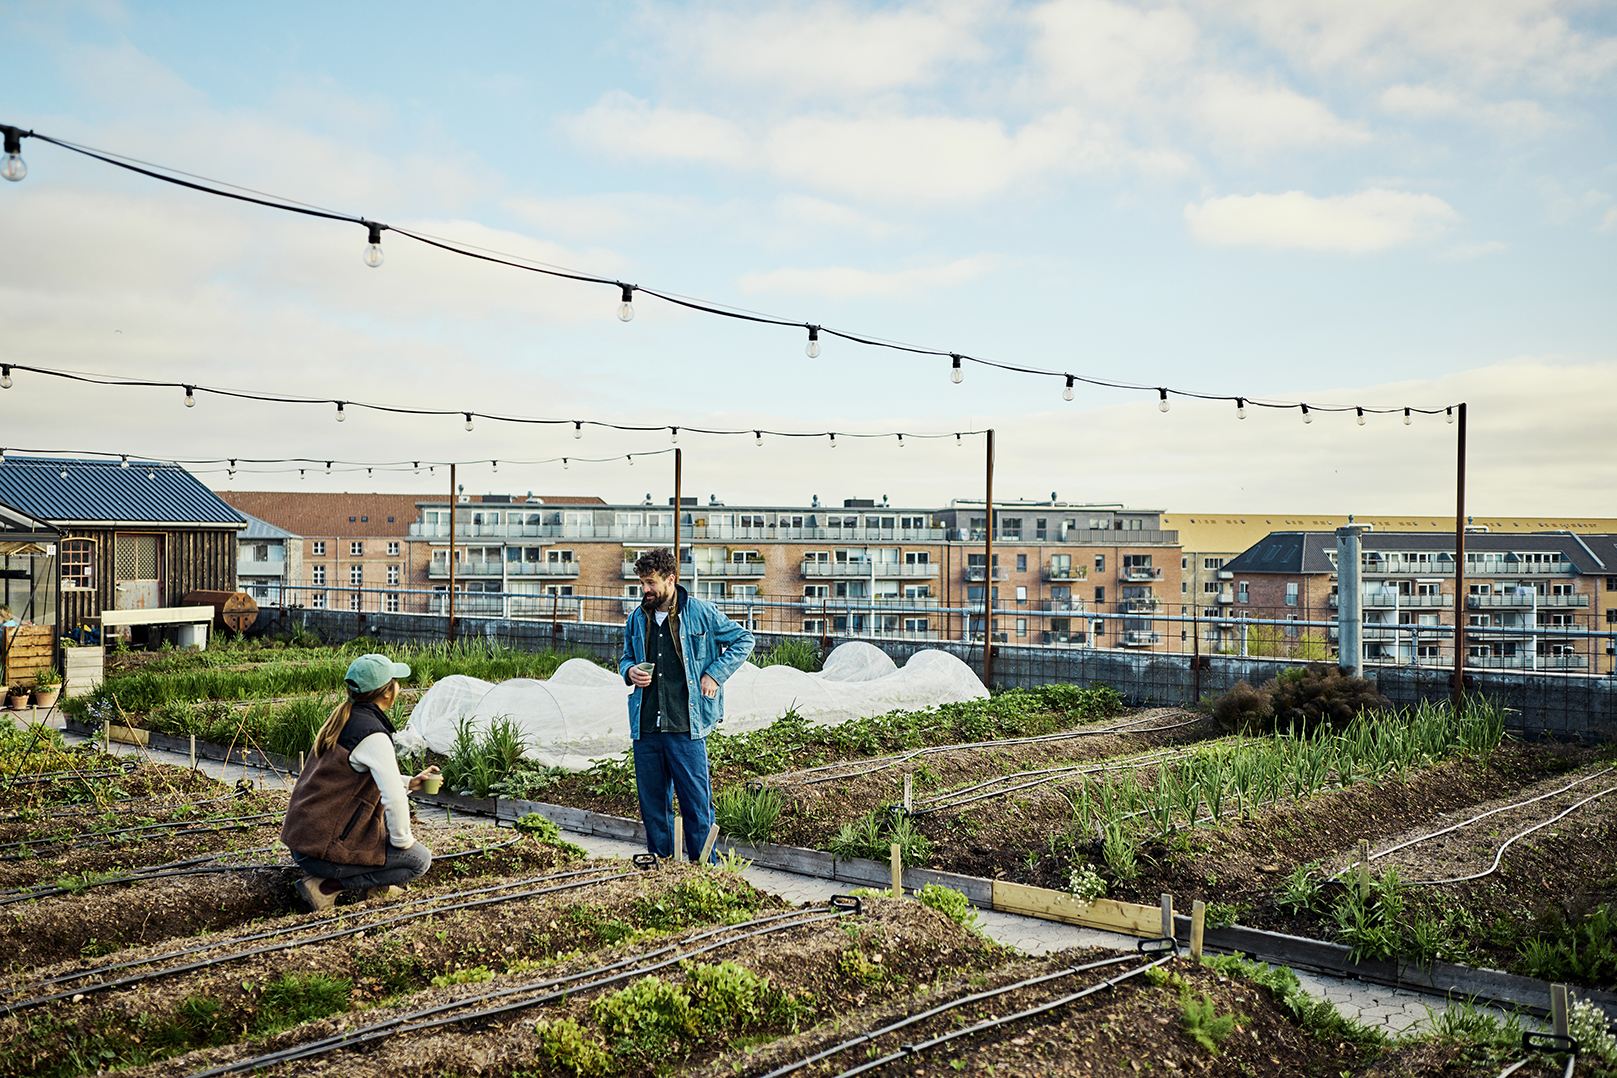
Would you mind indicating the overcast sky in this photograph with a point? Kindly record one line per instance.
(1369, 203)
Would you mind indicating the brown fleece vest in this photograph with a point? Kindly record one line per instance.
(335, 812)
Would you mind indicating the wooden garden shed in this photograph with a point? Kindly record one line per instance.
(132, 535)
(28, 596)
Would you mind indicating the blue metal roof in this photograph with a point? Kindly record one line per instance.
(100, 491)
(262, 529)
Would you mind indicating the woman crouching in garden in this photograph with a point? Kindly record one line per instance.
(348, 823)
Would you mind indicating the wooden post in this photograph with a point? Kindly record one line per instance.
(1558, 1009)
(1167, 917)
(712, 840)
(679, 838)
(988, 577)
(1364, 868)
(897, 861)
(300, 763)
(1198, 925)
(1459, 570)
(679, 481)
(193, 752)
(452, 507)
(909, 792)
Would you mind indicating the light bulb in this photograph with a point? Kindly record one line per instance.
(417, 464)
(1306, 417)
(626, 308)
(373, 249)
(5, 377)
(901, 441)
(630, 459)
(1407, 419)
(813, 349)
(1067, 394)
(15, 168)
(468, 416)
(124, 463)
(564, 462)
(496, 465)
(833, 440)
(578, 429)
(342, 417)
(1449, 414)
(1162, 400)
(1240, 407)
(64, 473)
(757, 437)
(190, 396)
(673, 435)
(1361, 415)
(956, 375)
(151, 474)
(328, 467)
(301, 475)
(957, 442)
(367, 473)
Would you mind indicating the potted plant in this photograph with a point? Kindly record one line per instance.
(17, 697)
(47, 684)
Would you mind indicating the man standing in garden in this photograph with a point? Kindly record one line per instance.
(677, 654)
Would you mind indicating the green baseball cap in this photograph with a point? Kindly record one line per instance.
(370, 672)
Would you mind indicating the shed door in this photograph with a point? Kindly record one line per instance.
(137, 572)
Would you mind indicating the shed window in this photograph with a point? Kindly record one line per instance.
(78, 563)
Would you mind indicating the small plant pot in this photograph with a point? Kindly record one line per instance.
(16, 703)
(45, 697)
(431, 786)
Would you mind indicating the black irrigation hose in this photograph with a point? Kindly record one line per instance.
(324, 937)
(939, 1009)
(113, 967)
(132, 804)
(416, 1021)
(35, 778)
(1500, 856)
(885, 762)
(909, 1050)
(1555, 1043)
(105, 838)
(1051, 775)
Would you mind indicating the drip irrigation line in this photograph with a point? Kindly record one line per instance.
(114, 967)
(865, 1038)
(324, 937)
(131, 805)
(109, 837)
(1479, 816)
(417, 1021)
(910, 1050)
(884, 762)
(35, 778)
(1498, 857)
(1050, 775)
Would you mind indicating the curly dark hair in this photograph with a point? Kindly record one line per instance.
(658, 562)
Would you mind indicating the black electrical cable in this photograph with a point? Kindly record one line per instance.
(79, 975)
(963, 1001)
(323, 937)
(909, 1050)
(627, 290)
(417, 1021)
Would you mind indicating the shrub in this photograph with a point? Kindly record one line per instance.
(952, 904)
(645, 1019)
(477, 762)
(1243, 707)
(1204, 1025)
(565, 1044)
(1299, 700)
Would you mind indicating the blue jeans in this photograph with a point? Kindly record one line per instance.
(666, 764)
(401, 867)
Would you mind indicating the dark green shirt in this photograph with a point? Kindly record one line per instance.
(665, 704)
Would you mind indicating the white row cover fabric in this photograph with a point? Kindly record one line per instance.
(580, 713)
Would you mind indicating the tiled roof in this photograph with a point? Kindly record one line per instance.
(320, 515)
(1308, 552)
(96, 491)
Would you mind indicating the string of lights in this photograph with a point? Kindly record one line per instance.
(64, 459)
(342, 406)
(15, 169)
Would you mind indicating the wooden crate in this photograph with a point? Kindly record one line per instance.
(27, 649)
(83, 669)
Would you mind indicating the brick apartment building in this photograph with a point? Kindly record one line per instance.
(1527, 595)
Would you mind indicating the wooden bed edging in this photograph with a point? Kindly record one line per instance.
(206, 750)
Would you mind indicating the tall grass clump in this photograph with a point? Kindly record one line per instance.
(477, 761)
(749, 814)
(792, 651)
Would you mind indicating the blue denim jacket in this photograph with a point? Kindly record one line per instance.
(712, 644)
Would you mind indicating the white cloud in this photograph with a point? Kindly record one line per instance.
(1111, 52)
(1246, 116)
(798, 210)
(1610, 222)
(1466, 252)
(622, 125)
(800, 49)
(1371, 220)
(1519, 118)
(844, 281)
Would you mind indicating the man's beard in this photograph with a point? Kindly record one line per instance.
(649, 600)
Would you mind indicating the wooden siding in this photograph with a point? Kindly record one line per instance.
(195, 559)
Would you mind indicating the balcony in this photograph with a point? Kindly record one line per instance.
(1142, 574)
(1524, 600)
(251, 567)
(1142, 606)
(1384, 599)
(438, 569)
(1227, 596)
(541, 568)
(1226, 574)
(1078, 639)
(980, 573)
(1529, 662)
(881, 570)
(1062, 606)
(745, 569)
(1052, 572)
(1139, 638)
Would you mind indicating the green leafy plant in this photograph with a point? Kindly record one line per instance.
(477, 761)
(295, 998)
(1203, 1024)
(1301, 890)
(748, 813)
(1315, 1014)
(798, 652)
(1117, 847)
(565, 1044)
(611, 777)
(466, 975)
(645, 1019)
(1085, 883)
(527, 780)
(952, 904)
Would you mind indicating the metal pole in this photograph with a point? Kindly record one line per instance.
(1459, 569)
(452, 508)
(1195, 653)
(679, 479)
(1350, 601)
(988, 577)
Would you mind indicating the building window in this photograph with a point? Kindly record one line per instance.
(1021, 626)
(1100, 563)
(318, 601)
(1243, 593)
(1291, 625)
(317, 548)
(392, 602)
(393, 548)
(558, 556)
(1291, 595)
(813, 625)
(1021, 597)
(356, 576)
(392, 574)
(1212, 563)
(353, 600)
(1184, 587)
(1021, 563)
(78, 564)
(1210, 587)
(356, 548)
(319, 577)
(1100, 597)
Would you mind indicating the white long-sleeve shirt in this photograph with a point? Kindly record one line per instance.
(375, 755)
